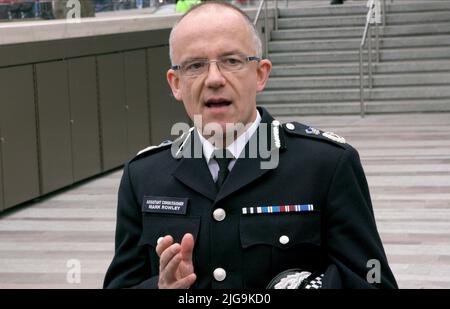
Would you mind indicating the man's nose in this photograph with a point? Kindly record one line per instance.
(215, 78)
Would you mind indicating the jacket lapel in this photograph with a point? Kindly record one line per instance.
(246, 169)
(193, 170)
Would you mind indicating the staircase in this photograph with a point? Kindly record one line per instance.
(315, 53)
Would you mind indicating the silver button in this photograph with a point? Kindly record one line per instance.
(159, 240)
(219, 214)
(284, 239)
(219, 274)
(290, 126)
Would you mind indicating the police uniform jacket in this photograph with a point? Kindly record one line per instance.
(314, 168)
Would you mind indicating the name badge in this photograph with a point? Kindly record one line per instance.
(165, 205)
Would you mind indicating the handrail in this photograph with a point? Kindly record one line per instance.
(258, 12)
(373, 17)
(376, 15)
(266, 26)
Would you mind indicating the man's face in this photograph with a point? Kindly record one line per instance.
(219, 97)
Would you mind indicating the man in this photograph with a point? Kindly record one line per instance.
(188, 218)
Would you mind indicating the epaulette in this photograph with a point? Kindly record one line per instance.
(152, 149)
(296, 128)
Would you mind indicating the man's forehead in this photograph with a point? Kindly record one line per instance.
(222, 27)
(210, 16)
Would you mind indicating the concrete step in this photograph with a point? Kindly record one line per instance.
(418, 53)
(372, 107)
(352, 44)
(420, 6)
(339, 82)
(417, 17)
(359, 20)
(317, 33)
(320, 22)
(406, 106)
(316, 57)
(406, 30)
(289, 109)
(361, 9)
(315, 69)
(415, 41)
(353, 55)
(353, 68)
(323, 11)
(345, 95)
(356, 32)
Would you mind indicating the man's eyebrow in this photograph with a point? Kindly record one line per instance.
(193, 59)
(233, 52)
(228, 53)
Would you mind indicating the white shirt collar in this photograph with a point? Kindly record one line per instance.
(237, 146)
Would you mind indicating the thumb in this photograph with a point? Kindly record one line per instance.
(187, 247)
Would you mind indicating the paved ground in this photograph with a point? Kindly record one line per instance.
(407, 162)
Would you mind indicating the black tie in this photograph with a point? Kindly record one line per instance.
(223, 159)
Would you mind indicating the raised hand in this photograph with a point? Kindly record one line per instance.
(176, 270)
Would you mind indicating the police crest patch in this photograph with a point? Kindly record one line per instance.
(296, 279)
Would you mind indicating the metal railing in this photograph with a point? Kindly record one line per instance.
(376, 15)
(266, 26)
(373, 17)
(264, 4)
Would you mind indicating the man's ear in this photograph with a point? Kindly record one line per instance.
(263, 72)
(174, 83)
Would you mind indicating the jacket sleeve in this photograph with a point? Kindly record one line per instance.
(350, 231)
(130, 267)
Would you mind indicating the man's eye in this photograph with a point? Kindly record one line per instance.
(194, 66)
(232, 61)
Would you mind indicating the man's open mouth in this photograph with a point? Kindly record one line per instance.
(217, 103)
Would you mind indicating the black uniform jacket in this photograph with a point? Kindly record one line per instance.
(339, 229)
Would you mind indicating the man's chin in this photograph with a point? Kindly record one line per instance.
(216, 126)
(218, 131)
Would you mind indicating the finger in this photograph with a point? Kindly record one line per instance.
(183, 283)
(163, 244)
(186, 282)
(168, 255)
(187, 247)
(169, 272)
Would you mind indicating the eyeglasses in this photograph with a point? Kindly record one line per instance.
(231, 63)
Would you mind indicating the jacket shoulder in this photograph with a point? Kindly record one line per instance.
(152, 150)
(178, 143)
(297, 129)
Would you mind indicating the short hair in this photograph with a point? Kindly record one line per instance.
(253, 31)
